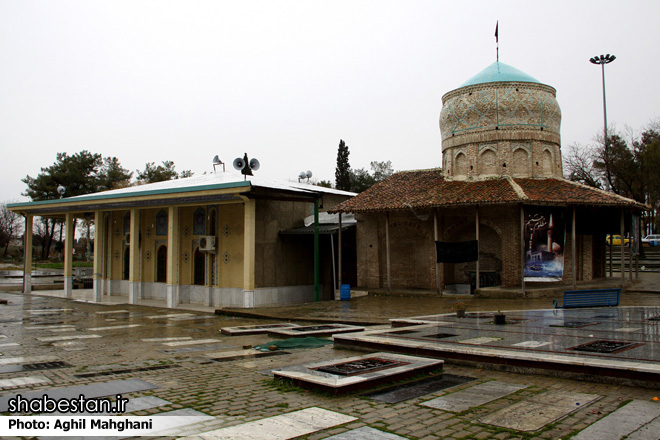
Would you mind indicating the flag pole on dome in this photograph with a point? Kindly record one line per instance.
(497, 42)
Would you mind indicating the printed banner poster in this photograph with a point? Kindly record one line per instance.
(545, 233)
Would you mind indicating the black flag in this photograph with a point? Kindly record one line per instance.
(497, 24)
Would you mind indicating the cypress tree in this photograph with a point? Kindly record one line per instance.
(343, 169)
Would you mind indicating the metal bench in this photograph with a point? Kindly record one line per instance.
(589, 298)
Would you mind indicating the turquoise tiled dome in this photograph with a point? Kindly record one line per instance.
(499, 72)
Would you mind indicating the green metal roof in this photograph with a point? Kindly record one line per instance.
(499, 72)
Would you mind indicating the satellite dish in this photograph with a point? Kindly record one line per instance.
(61, 190)
(302, 175)
(254, 164)
(308, 174)
(239, 163)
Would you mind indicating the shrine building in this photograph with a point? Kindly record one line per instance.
(499, 214)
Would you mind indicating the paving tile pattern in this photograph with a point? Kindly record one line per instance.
(236, 392)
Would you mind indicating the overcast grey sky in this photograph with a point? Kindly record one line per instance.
(285, 80)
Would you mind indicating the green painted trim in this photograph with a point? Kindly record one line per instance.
(152, 192)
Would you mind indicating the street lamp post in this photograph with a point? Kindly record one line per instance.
(602, 60)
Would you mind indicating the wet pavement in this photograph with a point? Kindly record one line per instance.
(191, 368)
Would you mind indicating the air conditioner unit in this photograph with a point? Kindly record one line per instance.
(207, 243)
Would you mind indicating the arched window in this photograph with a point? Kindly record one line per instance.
(161, 223)
(127, 262)
(212, 222)
(161, 264)
(460, 165)
(548, 166)
(488, 163)
(520, 167)
(199, 268)
(199, 222)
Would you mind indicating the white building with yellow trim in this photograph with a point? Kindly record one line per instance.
(213, 239)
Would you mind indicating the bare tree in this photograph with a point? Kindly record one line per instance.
(579, 165)
(10, 227)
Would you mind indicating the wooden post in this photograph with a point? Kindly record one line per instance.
(316, 250)
(387, 251)
(623, 256)
(438, 284)
(609, 246)
(522, 246)
(339, 255)
(477, 284)
(574, 250)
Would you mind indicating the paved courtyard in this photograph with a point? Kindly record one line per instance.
(178, 363)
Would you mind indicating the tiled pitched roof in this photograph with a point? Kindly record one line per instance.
(429, 189)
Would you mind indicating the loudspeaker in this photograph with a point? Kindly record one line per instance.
(239, 163)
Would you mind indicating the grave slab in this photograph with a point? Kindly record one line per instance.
(534, 413)
(647, 432)
(479, 341)
(623, 421)
(191, 342)
(316, 330)
(358, 372)
(68, 337)
(366, 433)
(27, 359)
(474, 396)
(23, 381)
(285, 426)
(182, 338)
(531, 344)
(10, 344)
(254, 329)
(145, 402)
(196, 348)
(175, 420)
(171, 315)
(48, 326)
(114, 327)
(400, 393)
(102, 389)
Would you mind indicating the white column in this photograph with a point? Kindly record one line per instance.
(249, 231)
(99, 255)
(27, 255)
(68, 255)
(134, 284)
(172, 257)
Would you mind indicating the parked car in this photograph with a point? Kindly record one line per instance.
(616, 240)
(651, 240)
